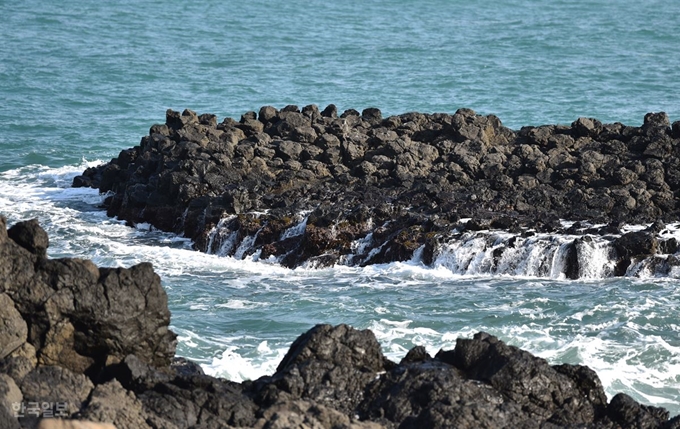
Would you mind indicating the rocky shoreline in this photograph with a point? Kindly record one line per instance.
(312, 187)
(90, 343)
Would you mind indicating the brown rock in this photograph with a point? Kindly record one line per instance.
(111, 403)
(55, 384)
(20, 362)
(73, 424)
(30, 236)
(9, 392)
(307, 415)
(13, 329)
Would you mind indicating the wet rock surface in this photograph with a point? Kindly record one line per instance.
(308, 187)
(332, 376)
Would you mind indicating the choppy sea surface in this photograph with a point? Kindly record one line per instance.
(79, 81)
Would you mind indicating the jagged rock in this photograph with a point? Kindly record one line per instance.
(434, 394)
(185, 367)
(30, 236)
(416, 354)
(586, 127)
(657, 120)
(328, 365)
(117, 311)
(634, 244)
(54, 384)
(111, 403)
(9, 392)
(74, 424)
(625, 411)
(486, 383)
(307, 415)
(199, 401)
(530, 381)
(341, 345)
(13, 329)
(139, 376)
(128, 307)
(20, 362)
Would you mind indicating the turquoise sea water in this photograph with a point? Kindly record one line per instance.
(79, 81)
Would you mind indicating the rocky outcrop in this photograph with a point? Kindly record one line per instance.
(63, 358)
(309, 186)
(81, 317)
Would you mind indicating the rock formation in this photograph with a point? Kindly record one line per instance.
(86, 343)
(309, 186)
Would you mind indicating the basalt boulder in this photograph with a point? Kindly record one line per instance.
(328, 365)
(81, 316)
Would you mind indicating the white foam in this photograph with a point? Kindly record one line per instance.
(621, 367)
(238, 304)
(186, 337)
(295, 230)
(246, 245)
(196, 307)
(221, 240)
(397, 337)
(232, 365)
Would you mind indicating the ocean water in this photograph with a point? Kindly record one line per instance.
(79, 81)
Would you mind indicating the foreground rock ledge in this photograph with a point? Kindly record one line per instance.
(309, 186)
(93, 344)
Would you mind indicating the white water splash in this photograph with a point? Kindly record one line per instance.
(594, 259)
(489, 253)
(295, 230)
(232, 365)
(221, 239)
(246, 245)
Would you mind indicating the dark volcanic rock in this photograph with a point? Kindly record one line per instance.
(626, 412)
(340, 346)
(110, 402)
(56, 384)
(634, 245)
(81, 316)
(546, 392)
(61, 348)
(191, 174)
(30, 236)
(328, 365)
